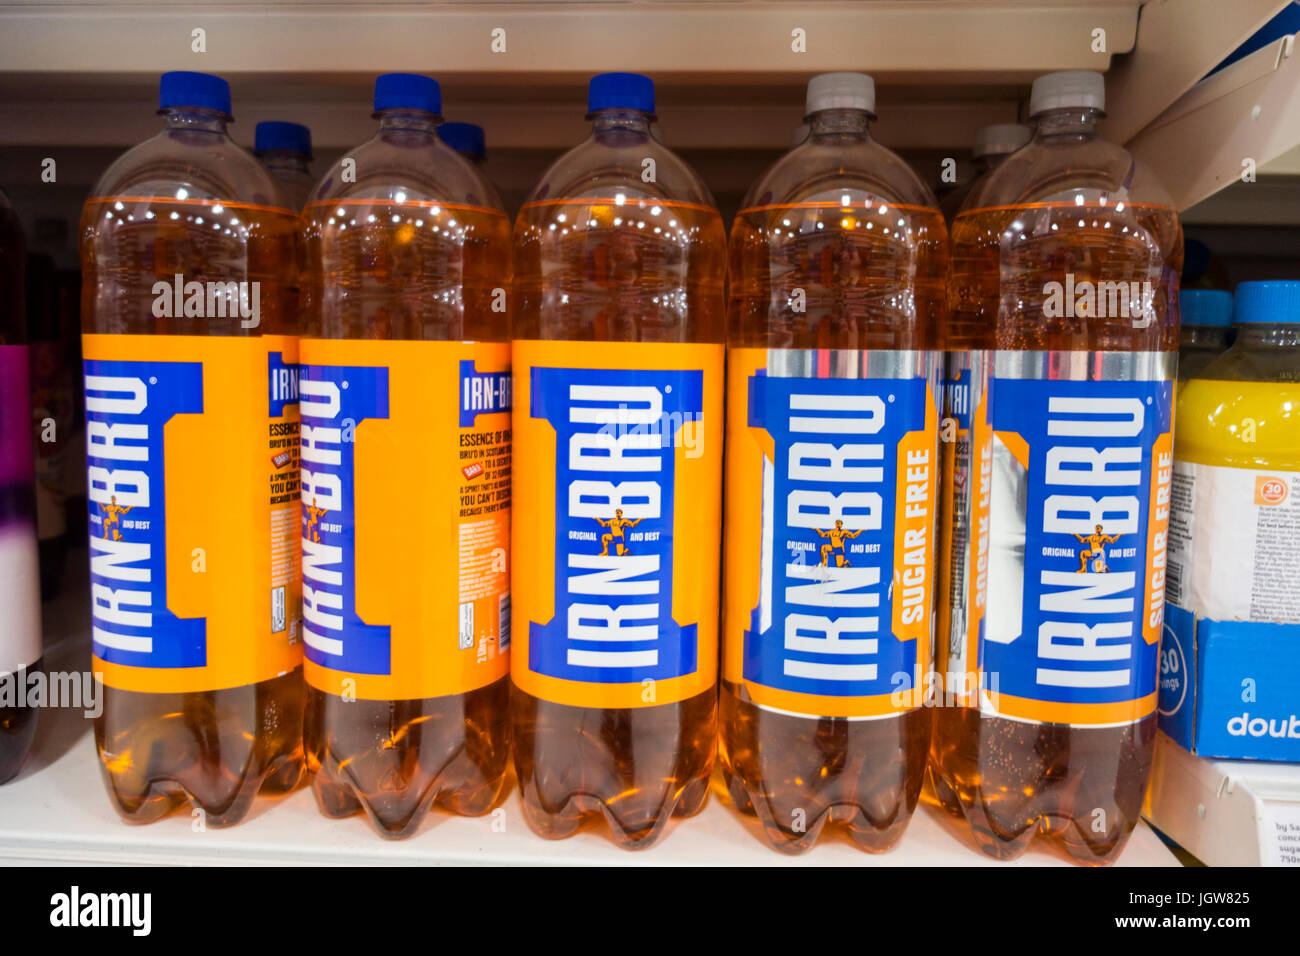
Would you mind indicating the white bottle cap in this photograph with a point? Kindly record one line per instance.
(841, 91)
(1083, 89)
(999, 139)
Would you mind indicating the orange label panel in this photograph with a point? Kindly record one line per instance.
(405, 518)
(192, 446)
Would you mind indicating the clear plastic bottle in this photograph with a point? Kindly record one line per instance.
(992, 145)
(618, 331)
(189, 325)
(285, 149)
(20, 635)
(1206, 329)
(467, 139)
(1062, 338)
(1236, 488)
(838, 263)
(406, 475)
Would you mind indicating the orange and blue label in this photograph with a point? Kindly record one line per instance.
(830, 543)
(1077, 640)
(192, 588)
(405, 516)
(618, 446)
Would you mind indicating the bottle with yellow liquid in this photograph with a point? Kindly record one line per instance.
(1206, 329)
(191, 372)
(1235, 513)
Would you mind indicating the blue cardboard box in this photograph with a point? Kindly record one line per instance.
(1230, 689)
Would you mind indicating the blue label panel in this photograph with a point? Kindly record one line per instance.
(616, 434)
(334, 401)
(283, 381)
(482, 393)
(1089, 447)
(834, 500)
(127, 405)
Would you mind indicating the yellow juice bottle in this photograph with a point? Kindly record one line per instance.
(1235, 510)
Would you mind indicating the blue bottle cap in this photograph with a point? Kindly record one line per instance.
(202, 90)
(1273, 302)
(464, 138)
(629, 91)
(274, 134)
(1205, 307)
(409, 91)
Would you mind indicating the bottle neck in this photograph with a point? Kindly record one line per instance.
(840, 123)
(409, 121)
(192, 119)
(1204, 336)
(989, 161)
(619, 122)
(1261, 336)
(284, 159)
(1072, 121)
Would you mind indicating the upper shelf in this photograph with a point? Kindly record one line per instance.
(730, 74)
(955, 40)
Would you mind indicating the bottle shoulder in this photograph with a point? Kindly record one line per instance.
(1057, 168)
(402, 166)
(636, 165)
(1225, 418)
(205, 164)
(822, 168)
(1242, 363)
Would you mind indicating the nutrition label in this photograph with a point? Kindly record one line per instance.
(285, 536)
(484, 541)
(1232, 543)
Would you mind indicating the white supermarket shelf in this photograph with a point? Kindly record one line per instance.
(918, 39)
(1226, 812)
(1249, 111)
(83, 74)
(57, 811)
(1177, 44)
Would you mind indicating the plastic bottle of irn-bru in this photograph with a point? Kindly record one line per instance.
(992, 145)
(192, 433)
(838, 262)
(1062, 343)
(467, 139)
(1206, 329)
(405, 475)
(1236, 486)
(20, 602)
(618, 330)
(285, 149)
